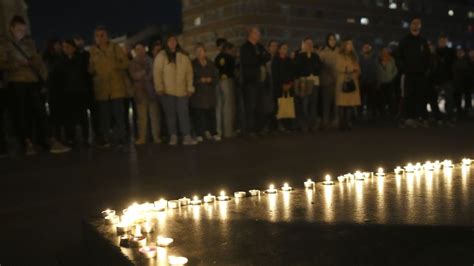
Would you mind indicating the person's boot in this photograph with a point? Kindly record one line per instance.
(173, 140)
(189, 141)
(57, 147)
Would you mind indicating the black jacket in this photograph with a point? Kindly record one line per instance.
(444, 65)
(283, 72)
(75, 77)
(225, 64)
(413, 55)
(305, 66)
(251, 59)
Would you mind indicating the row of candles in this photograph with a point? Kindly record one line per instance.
(137, 217)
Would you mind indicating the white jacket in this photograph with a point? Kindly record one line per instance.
(174, 79)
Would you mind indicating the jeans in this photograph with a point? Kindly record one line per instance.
(415, 87)
(225, 109)
(148, 110)
(307, 109)
(176, 108)
(112, 111)
(252, 95)
(328, 94)
(28, 112)
(204, 120)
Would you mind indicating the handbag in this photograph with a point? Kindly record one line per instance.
(286, 107)
(349, 85)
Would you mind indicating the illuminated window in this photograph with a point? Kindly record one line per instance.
(405, 24)
(451, 12)
(351, 20)
(405, 6)
(197, 21)
(470, 14)
(364, 21)
(392, 4)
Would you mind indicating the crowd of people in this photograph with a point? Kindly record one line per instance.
(252, 91)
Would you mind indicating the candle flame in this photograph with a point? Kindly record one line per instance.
(272, 187)
(223, 193)
(328, 178)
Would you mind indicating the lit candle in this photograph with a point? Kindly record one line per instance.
(240, 194)
(447, 164)
(359, 176)
(138, 242)
(173, 260)
(271, 190)
(398, 170)
(108, 213)
(466, 162)
(428, 166)
(184, 201)
(341, 178)
(196, 201)
(160, 205)
(286, 187)
(418, 167)
(309, 184)
(328, 180)
(138, 230)
(209, 198)
(173, 204)
(349, 177)
(148, 228)
(437, 165)
(254, 192)
(380, 172)
(223, 196)
(164, 241)
(409, 168)
(148, 251)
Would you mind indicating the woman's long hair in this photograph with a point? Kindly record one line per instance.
(327, 41)
(172, 55)
(342, 50)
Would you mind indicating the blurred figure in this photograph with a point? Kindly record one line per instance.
(386, 73)
(107, 65)
(141, 72)
(226, 109)
(347, 84)
(308, 70)
(252, 77)
(328, 78)
(204, 100)
(368, 80)
(75, 85)
(269, 98)
(156, 48)
(462, 82)
(3, 112)
(443, 75)
(414, 64)
(25, 75)
(53, 59)
(173, 79)
(283, 73)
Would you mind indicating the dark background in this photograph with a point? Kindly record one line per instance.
(63, 19)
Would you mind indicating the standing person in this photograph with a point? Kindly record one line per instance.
(283, 74)
(368, 80)
(328, 81)
(107, 65)
(225, 110)
(414, 64)
(347, 84)
(156, 48)
(53, 59)
(462, 82)
(84, 56)
(386, 73)
(269, 100)
(204, 100)
(252, 76)
(75, 85)
(25, 75)
(173, 79)
(3, 111)
(308, 70)
(432, 93)
(443, 75)
(141, 72)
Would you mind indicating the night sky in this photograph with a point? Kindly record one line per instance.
(63, 19)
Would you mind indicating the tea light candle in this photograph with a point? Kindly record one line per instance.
(108, 213)
(448, 164)
(466, 162)
(271, 190)
(173, 260)
(418, 167)
(286, 187)
(359, 176)
(328, 180)
(148, 251)
(164, 241)
(184, 201)
(196, 201)
(209, 198)
(428, 166)
(147, 228)
(309, 184)
(240, 194)
(138, 242)
(437, 165)
(398, 170)
(223, 197)
(341, 178)
(160, 205)
(173, 204)
(254, 192)
(380, 172)
(409, 168)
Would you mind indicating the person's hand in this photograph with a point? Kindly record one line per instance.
(203, 80)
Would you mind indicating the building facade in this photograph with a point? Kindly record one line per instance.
(8, 9)
(377, 21)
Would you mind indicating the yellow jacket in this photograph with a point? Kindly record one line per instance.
(174, 79)
(108, 68)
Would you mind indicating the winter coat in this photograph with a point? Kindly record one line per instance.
(75, 78)
(462, 73)
(386, 73)
(108, 67)
(173, 78)
(346, 67)
(252, 59)
(141, 72)
(443, 71)
(205, 94)
(283, 72)
(306, 66)
(328, 72)
(368, 74)
(413, 55)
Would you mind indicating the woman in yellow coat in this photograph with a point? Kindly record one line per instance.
(347, 84)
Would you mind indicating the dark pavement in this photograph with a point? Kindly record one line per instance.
(45, 198)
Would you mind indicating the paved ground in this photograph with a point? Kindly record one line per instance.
(45, 197)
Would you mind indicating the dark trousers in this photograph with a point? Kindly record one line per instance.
(345, 116)
(415, 96)
(388, 99)
(204, 120)
(369, 96)
(57, 115)
(252, 93)
(76, 112)
(28, 112)
(111, 113)
(3, 111)
(463, 91)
